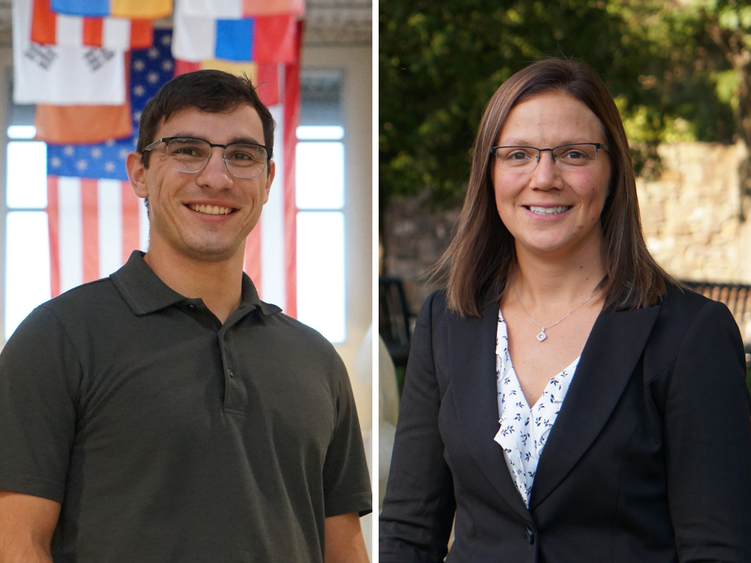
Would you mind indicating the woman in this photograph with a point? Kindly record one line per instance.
(637, 444)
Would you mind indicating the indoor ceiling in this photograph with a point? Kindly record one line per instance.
(327, 23)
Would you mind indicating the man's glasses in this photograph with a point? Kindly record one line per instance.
(187, 154)
(565, 157)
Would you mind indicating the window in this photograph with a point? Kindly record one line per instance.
(27, 262)
(320, 198)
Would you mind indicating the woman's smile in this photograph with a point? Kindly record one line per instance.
(547, 211)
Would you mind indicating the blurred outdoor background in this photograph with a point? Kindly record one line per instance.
(680, 72)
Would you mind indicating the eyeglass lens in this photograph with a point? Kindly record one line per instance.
(191, 155)
(565, 157)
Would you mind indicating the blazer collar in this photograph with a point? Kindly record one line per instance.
(609, 357)
(607, 363)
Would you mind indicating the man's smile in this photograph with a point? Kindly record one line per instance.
(211, 209)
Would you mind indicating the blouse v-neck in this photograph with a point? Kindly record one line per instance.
(523, 429)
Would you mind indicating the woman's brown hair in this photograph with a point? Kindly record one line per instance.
(482, 255)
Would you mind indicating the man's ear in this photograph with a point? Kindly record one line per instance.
(269, 180)
(136, 174)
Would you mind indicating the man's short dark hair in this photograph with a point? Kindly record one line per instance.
(207, 90)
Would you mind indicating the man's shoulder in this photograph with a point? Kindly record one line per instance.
(84, 299)
(295, 326)
(84, 313)
(286, 341)
(287, 327)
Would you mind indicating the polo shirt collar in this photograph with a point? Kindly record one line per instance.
(251, 299)
(145, 292)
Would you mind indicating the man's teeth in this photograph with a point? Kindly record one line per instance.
(211, 210)
(547, 210)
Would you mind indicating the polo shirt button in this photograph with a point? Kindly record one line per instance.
(230, 373)
(530, 536)
(192, 307)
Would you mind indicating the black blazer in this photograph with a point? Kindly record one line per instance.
(649, 459)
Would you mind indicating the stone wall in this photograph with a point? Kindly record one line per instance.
(415, 238)
(690, 214)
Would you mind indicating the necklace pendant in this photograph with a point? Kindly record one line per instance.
(542, 336)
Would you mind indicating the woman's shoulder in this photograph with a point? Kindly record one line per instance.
(687, 316)
(686, 303)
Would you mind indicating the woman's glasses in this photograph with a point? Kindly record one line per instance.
(565, 157)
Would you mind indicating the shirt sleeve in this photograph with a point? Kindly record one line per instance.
(346, 480)
(708, 442)
(419, 506)
(39, 380)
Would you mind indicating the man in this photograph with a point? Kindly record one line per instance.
(166, 414)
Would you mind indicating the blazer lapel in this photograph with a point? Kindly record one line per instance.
(608, 360)
(472, 345)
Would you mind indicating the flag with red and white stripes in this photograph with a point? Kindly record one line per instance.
(96, 220)
(94, 226)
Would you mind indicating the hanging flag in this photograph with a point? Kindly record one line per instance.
(236, 9)
(132, 9)
(79, 124)
(82, 124)
(47, 74)
(116, 34)
(291, 120)
(263, 39)
(95, 219)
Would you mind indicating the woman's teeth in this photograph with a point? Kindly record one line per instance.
(547, 210)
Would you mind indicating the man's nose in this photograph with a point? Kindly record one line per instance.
(216, 169)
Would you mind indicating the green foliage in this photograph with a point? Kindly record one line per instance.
(441, 61)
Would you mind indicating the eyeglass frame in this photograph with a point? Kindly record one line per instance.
(149, 148)
(597, 146)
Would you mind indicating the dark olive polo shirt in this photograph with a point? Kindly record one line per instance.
(169, 437)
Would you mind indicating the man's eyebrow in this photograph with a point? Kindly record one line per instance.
(249, 140)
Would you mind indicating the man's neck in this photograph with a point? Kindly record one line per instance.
(218, 284)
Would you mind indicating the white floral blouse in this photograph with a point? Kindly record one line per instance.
(524, 431)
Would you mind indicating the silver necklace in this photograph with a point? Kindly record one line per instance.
(542, 336)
